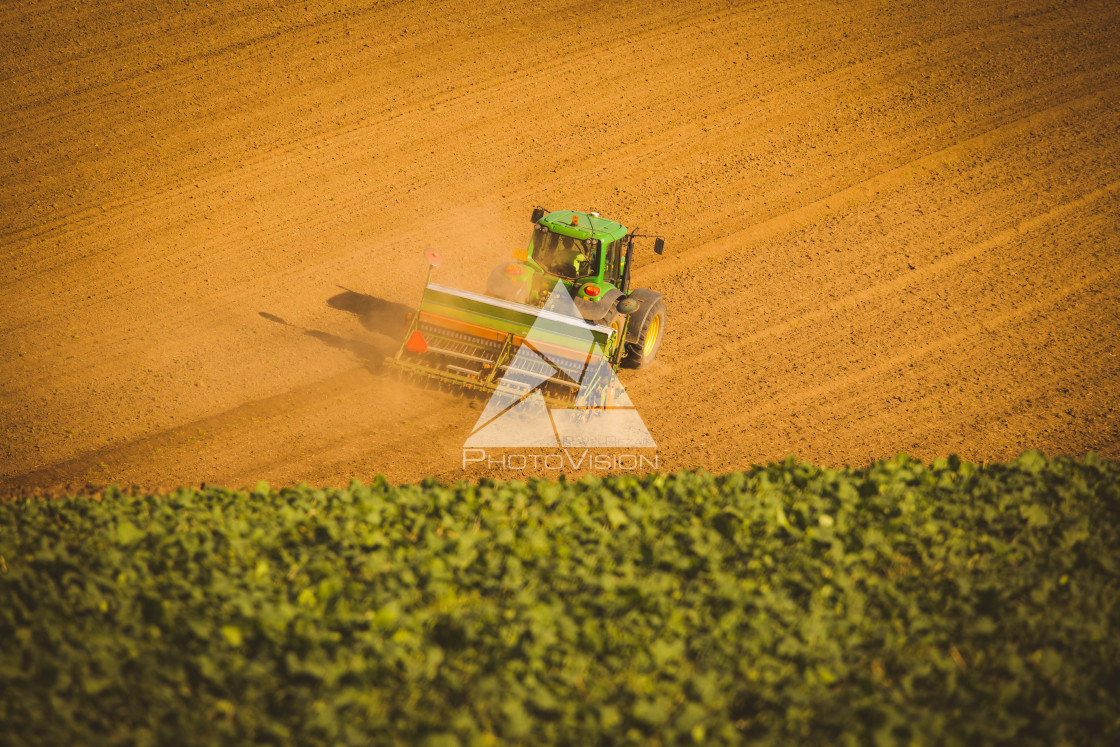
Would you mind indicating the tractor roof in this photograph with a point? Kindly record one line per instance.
(605, 229)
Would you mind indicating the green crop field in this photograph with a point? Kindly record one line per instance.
(901, 603)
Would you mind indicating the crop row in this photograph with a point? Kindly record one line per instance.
(936, 604)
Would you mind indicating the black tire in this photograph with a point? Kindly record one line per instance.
(641, 353)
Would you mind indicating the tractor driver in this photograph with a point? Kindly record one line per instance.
(579, 259)
(564, 255)
(575, 264)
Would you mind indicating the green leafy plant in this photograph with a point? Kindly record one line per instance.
(902, 603)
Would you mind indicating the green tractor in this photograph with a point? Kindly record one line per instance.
(566, 296)
(591, 256)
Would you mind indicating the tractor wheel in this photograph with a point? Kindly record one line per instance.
(615, 321)
(641, 353)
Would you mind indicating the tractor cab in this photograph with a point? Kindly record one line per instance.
(575, 246)
(586, 252)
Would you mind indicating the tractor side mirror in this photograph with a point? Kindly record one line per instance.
(538, 213)
(659, 246)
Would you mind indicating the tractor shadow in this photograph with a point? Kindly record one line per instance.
(375, 314)
(387, 319)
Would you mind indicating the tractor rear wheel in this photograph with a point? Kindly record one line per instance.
(642, 352)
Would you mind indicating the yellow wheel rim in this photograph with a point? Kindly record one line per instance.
(651, 334)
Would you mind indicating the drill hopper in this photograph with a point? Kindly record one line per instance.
(471, 342)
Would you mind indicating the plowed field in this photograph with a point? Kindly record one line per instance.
(891, 226)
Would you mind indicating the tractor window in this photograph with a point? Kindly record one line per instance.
(564, 256)
(613, 270)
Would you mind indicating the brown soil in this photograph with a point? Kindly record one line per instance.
(891, 226)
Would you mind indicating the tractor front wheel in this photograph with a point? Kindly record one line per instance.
(617, 322)
(642, 352)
